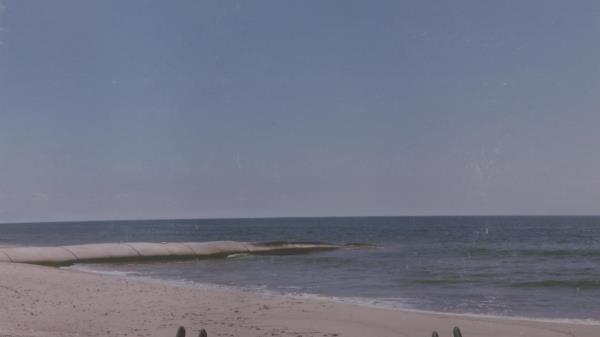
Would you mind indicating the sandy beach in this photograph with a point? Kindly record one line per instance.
(46, 301)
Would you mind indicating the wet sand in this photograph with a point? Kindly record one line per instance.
(46, 301)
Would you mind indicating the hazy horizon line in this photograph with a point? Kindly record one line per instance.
(296, 217)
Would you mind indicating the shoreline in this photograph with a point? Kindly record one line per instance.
(357, 301)
(47, 301)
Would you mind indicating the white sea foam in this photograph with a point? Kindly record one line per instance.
(238, 255)
(90, 269)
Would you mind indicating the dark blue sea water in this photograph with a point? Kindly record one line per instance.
(543, 267)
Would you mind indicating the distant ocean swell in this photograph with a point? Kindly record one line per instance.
(480, 251)
(576, 284)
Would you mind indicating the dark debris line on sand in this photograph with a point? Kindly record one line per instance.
(181, 333)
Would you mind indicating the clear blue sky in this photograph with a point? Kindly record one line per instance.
(144, 109)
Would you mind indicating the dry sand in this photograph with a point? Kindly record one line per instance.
(45, 301)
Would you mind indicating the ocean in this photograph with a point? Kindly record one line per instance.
(536, 267)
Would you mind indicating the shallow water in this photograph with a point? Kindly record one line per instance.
(516, 266)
